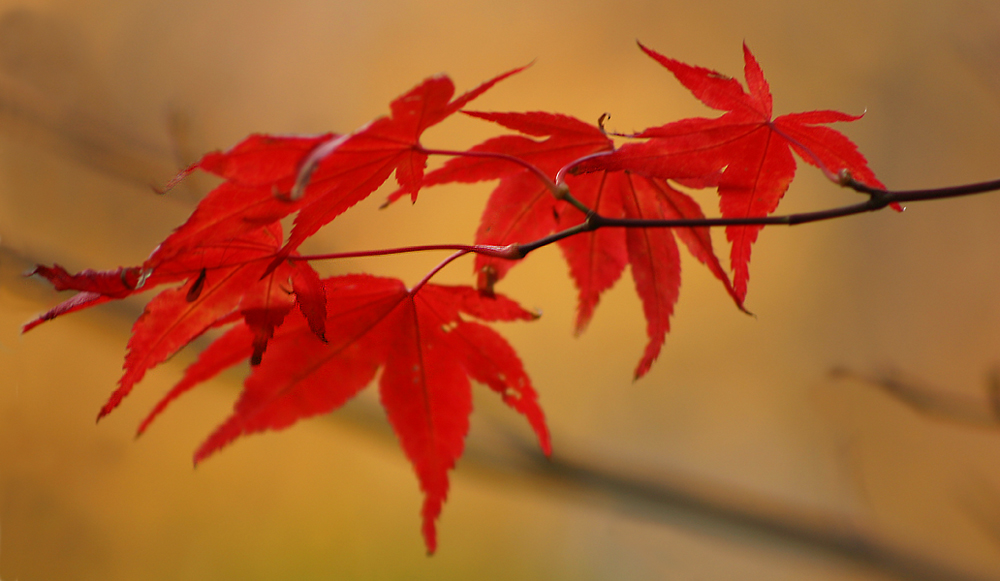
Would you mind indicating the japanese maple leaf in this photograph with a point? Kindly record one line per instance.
(428, 350)
(345, 169)
(522, 209)
(597, 258)
(258, 172)
(223, 282)
(752, 150)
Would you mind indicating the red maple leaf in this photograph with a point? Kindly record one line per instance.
(224, 281)
(427, 348)
(597, 258)
(258, 172)
(522, 209)
(752, 151)
(345, 169)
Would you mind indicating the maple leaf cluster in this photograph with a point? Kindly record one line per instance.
(313, 343)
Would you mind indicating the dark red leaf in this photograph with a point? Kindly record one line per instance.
(427, 349)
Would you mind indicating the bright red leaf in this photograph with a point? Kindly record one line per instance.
(521, 208)
(219, 293)
(752, 150)
(344, 170)
(259, 174)
(597, 258)
(224, 280)
(427, 347)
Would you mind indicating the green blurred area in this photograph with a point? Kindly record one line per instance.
(738, 457)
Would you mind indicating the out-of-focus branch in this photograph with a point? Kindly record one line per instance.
(54, 97)
(32, 116)
(935, 402)
(683, 501)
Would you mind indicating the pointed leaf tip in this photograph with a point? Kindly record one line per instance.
(760, 92)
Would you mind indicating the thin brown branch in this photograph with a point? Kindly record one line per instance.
(877, 200)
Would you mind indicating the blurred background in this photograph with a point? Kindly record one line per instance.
(848, 431)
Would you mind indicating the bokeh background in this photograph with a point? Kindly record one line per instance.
(740, 456)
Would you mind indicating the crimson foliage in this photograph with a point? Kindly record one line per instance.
(314, 343)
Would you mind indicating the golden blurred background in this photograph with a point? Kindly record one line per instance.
(740, 456)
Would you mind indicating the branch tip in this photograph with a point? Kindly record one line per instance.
(600, 122)
(561, 191)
